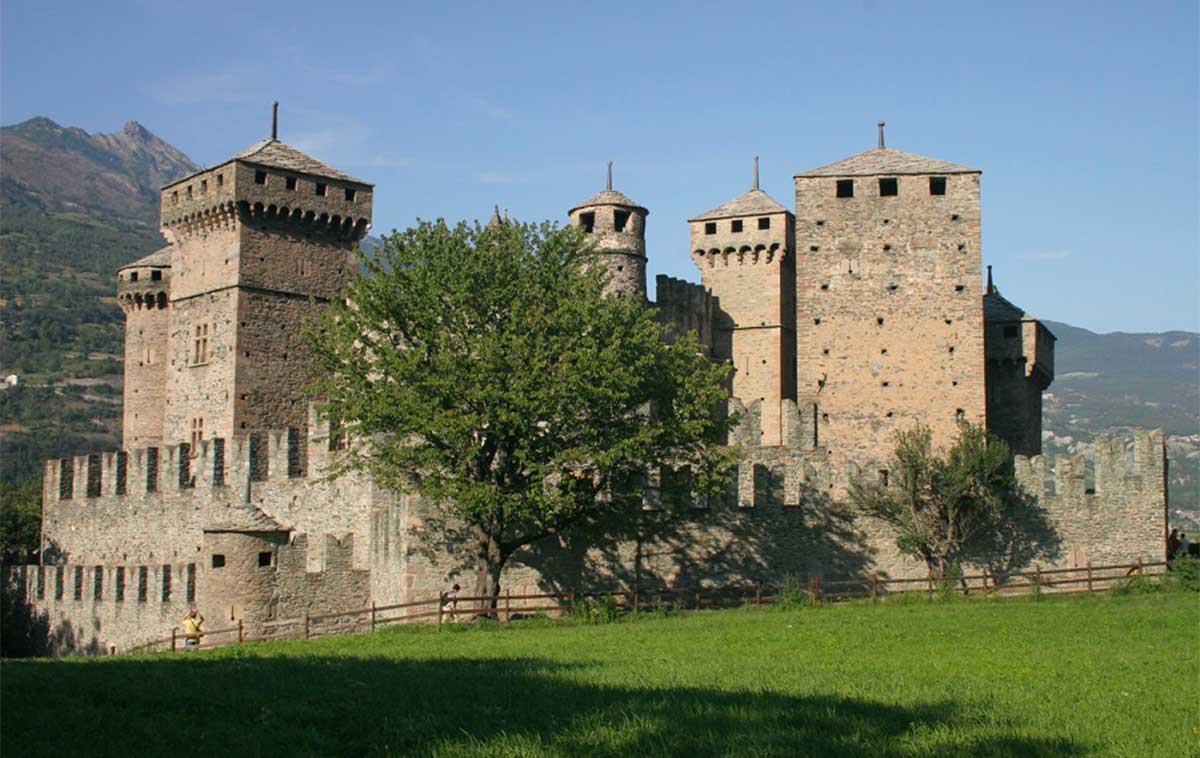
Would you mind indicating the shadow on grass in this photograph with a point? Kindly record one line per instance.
(246, 705)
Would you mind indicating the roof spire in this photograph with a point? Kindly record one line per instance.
(756, 172)
(275, 121)
(991, 289)
(881, 124)
(609, 185)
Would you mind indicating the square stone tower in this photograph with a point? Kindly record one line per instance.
(260, 244)
(889, 314)
(744, 250)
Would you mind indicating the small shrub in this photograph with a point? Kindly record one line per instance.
(794, 594)
(596, 610)
(1138, 585)
(1184, 575)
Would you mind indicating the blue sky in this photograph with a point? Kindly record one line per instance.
(1082, 116)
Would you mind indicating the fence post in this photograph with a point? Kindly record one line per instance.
(1141, 569)
(1089, 568)
(441, 610)
(241, 636)
(306, 625)
(697, 597)
(874, 586)
(172, 639)
(372, 616)
(1037, 587)
(507, 606)
(985, 580)
(758, 593)
(635, 603)
(571, 601)
(817, 589)
(930, 572)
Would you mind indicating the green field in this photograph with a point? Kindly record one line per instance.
(1108, 675)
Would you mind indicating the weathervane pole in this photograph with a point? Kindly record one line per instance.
(609, 175)
(756, 172)
(275, 121)
(881, 125)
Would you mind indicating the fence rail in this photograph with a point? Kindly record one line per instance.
(507, 607)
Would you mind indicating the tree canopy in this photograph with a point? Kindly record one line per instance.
(483, 368)
(943, 505)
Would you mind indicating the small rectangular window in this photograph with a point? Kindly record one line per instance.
(58, 582)
(735, 226)
(290, 182)
(350, 195)
(133, 276)
(320, 189)
(937, 185)
(175, 197)
(41, 582)
(203, 185)
(98, 583)
(166, 583)
(845, 188)
(264, 559)
(1011, 332)
(218, 561)
(220, 180)
(190, 589)
(620, 219)
(588, 222)
(79, 582)
(156, 276)
(120, 594)
(143, 580)
(889, 187)
(260, 177)
(189, 190)
(710, 227)
(764, 223)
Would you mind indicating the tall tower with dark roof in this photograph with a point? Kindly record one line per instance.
(889, 314)
(259, 244)
(616, 227)
(744, 250)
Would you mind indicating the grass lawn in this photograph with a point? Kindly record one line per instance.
(1099, 675)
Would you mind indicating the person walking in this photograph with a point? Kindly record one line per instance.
(450, 601)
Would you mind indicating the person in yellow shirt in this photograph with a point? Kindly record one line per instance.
(191, 628)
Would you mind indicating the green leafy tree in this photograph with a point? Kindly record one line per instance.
(942, 505)
(20, 521)
(483, 368)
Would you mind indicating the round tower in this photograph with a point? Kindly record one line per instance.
(143, 291)
(616, 227)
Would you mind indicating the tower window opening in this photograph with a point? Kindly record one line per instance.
(220, 180)
(175, 198)
(120, 585)
(764, 223)
(133, 276)
(937, 185)
(588, 222)
(264, 560)
(203, 186)
(735, 226)
(710, 227)
(260, 177)
(351, 195)
(98, 584)
(155, 276)
(620, 219)
(290, 183)
(218, 561)
(143, 580)
(197, 434)
(320, 189)
(189, 191)
(845, 188)
(166, 583)
(959, 287)
(889, 187)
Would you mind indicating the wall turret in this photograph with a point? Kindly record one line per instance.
(616, 227)
(144, 293)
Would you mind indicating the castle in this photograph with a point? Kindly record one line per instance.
(856, 314)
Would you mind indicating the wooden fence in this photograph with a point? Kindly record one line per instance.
(508, 607)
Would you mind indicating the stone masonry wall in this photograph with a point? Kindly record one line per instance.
(145, 302)
(889, 317)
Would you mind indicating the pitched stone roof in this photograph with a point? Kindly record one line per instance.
(609, 197)
(157, 259)
(278, 154)
(997, 308)
(243, 519)
(752, 203)
(888, 161)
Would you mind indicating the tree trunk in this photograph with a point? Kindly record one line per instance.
(487, 578)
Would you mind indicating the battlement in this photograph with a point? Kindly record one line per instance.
(685, 307)
(744, 255)
(163, 583)
(214, 463)
(797, 425)
(1113, 474)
